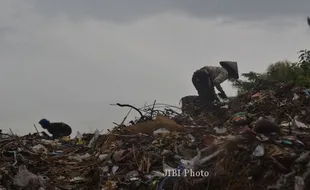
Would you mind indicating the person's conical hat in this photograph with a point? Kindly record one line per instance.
(231, 67)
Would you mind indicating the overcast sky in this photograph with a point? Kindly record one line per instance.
(67, 60)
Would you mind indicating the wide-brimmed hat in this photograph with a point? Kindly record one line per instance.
(231, 67)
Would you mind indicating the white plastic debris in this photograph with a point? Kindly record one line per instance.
(78, 135)
(105, 169)
(259, 151)
(103, 157)
(114, 169)
(262, 138)
(93, 140)
(50, 142)
(39, 148)
(299, 124)
(166, 167)
(15, 157)
(295, 97)
(77, 179)
(79, 157)
(161, 131)
(61, 177)
(132, 176)
(210, 157)
(285, 124)
(118, 155)
(234, 137)
(220, 130)
(191, 137)
(192, 164)
(165, 152)
(23, 177)
(225, 107)
(157, 174)
(225, 100)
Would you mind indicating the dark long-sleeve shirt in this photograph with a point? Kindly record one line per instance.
(59, 130)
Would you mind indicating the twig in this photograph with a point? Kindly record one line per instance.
(126, 117)
(152, 110)
(279, 164)
(207, 158)
(101, 131)
(128, 136)
(116, 124)
(21, 144)
(127, 105)
(161, 104)
(35, 128)
(126, 155)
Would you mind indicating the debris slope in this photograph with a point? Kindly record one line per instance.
(258, 140)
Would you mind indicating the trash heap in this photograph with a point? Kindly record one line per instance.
(258, 140)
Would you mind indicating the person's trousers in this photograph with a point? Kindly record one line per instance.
(204, 86)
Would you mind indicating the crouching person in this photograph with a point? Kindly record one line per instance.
(58, 130)
(208, 77)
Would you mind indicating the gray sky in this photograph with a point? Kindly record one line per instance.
(68, 60)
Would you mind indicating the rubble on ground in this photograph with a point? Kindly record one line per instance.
(258, 140)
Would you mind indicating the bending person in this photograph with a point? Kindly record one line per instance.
(58, 130)
(208, 77)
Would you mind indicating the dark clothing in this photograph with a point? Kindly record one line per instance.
(204, 85)
(59, 130)
(217, 75)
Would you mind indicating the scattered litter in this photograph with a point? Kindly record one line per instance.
(25, 178)
(79, 157)
(299, 124)
(161, 131)
(103, 156)
(225, 107)
(39, 148)
(93, 140)
(76, 179)
(258, 143)
(114, 169)
(295, 97)
(220, 130)
(259, 151)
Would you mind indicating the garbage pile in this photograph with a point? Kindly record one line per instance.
(258, 140)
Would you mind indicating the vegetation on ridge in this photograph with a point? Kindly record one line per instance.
(282, 71)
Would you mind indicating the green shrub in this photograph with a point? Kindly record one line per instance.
(282, 71)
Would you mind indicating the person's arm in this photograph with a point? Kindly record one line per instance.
(55, 130)
(220, 79)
